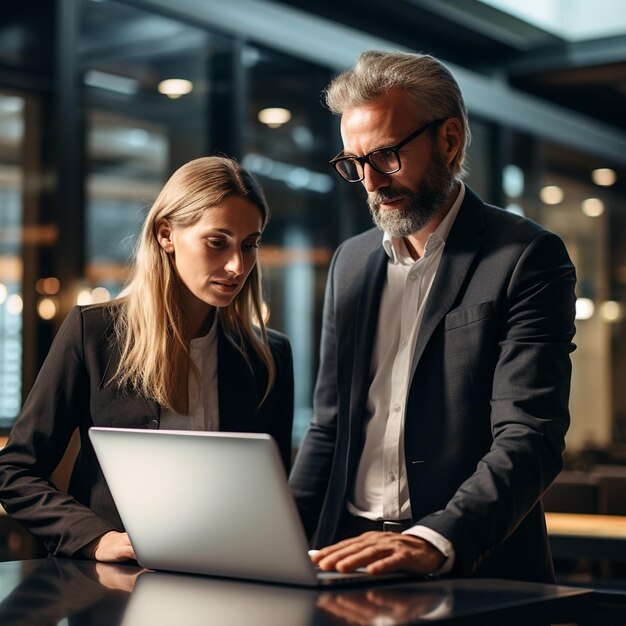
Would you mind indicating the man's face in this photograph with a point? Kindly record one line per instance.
(401, 203)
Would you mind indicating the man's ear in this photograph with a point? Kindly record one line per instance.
(451, 137)
(164, 235)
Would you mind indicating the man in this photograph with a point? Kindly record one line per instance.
(441, 403)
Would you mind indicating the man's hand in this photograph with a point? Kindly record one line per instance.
(381, 552)
(112, 547)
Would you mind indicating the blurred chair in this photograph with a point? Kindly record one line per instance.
(576, 492)
(613, 478)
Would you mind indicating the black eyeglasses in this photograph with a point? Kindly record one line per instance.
(383, 160)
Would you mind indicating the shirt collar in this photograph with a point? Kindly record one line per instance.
(396, 248)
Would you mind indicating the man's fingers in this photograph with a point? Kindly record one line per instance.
(328, 556)
(361, 558)
(318, 555)
(380, 552)
(390, 563)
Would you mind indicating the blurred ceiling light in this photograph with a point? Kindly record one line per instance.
(111, 82)
(584, 308)
(611, 311)
(175, 87)
(593, 207)
(604, 176)
(47, 308)
(3, 293)
(274, 116)
(551, 194)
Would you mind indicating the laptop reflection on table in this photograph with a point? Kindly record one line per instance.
(163, 599)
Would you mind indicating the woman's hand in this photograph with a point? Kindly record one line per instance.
(112, 547)
(118, 577)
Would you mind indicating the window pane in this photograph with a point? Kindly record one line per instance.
(140, 127)
(11, 136)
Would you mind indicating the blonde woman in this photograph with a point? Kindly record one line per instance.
(184, 348)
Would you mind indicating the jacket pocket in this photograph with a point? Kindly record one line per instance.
(468, 315)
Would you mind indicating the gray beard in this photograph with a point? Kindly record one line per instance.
(431, 197)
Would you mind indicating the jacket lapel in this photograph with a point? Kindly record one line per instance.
(461, 247)
(366, 321)
(237, 390)
(112, 363)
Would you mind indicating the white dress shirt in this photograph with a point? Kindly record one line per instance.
(203, 398)
(380, 490)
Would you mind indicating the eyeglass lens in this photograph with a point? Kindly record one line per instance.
(384, 161)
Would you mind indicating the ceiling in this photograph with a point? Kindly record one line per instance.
(586, 76)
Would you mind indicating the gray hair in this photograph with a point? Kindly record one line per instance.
(426, 80)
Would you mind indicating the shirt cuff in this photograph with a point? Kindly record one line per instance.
(437, 540)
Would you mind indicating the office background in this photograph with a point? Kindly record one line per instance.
(100, 100)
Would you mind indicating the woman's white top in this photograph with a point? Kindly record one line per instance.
(203, 393)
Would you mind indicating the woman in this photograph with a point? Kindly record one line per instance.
(184, 348)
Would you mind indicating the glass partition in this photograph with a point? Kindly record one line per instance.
(580, 197)
(11, 270)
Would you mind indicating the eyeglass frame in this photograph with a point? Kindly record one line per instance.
(362, 160)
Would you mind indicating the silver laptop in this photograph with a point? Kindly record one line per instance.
(209, 503)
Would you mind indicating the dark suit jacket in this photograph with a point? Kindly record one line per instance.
(73, 391)
(487, 408)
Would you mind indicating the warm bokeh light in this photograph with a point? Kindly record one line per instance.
(551, 194)
(3, 293)
(592, 207)
(604, 176)
(47, 308)
(585, 308)
(611, 311)
(175, 87)
(274, 116)
(48, 286)
(84, 297)
(100, 294)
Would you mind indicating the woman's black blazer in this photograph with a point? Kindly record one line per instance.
(74, 391)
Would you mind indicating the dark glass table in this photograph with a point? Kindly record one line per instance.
(49, 591)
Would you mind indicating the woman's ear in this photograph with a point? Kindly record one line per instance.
(164, 235)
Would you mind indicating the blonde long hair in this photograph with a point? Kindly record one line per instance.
(150, 325)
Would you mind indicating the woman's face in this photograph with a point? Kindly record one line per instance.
(214, 257)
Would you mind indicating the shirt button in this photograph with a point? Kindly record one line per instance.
(413, 277)
(397, 408)
(405, 342)
(391, 476)
(153, 424)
